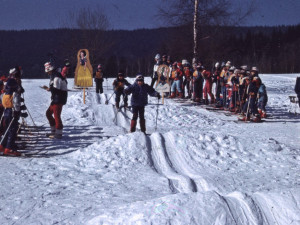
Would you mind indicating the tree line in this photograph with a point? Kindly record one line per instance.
(272, 49)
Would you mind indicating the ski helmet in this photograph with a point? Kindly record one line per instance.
(217, 65)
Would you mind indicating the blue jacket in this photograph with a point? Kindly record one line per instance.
(262, 93)
(140, 94)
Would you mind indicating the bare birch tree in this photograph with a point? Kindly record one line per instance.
(203, 13)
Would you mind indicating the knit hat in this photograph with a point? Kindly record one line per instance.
(48, 67)
(139, 77)
(12, 71)
(99, 66)
(254, 69)
(228, 64)
(157, 57)
(244, 67)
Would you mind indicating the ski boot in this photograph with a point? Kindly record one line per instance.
(52, 132)
(57, 135)
(10, 152)
(132, 126)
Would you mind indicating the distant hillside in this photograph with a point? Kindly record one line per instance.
(273, 49)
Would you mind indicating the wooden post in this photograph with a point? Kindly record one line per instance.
(83, 95)
(162, 97)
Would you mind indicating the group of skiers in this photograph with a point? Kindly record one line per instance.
(238, 90)
(11, 108)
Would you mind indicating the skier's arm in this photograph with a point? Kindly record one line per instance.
(128, 90)
(127, 83)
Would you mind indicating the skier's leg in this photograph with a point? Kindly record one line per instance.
(57, 108)
(134, 118)
(142, 118)
(117, 99)
(101, 87)
(49, 116)
(97, 85)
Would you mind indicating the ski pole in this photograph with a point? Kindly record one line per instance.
(106, 102)
(248, 107)
(4, 136)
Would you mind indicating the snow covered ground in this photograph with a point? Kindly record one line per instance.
(198, 167)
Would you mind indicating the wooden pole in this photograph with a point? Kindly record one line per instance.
(83, 95)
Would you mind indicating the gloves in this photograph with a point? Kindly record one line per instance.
(24, 115)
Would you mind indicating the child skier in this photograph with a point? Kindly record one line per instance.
(119, 85)
(139, 100)
(99, 79)
(58, 87)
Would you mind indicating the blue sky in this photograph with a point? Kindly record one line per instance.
(126, 14)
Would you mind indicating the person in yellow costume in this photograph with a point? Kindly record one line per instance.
(84, 76)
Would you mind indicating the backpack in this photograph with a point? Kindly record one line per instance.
(7, 101)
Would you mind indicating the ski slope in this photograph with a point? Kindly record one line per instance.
(197, 167)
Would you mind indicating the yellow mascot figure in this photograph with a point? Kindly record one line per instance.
(84, 70)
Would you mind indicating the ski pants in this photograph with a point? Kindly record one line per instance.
(197, 87)
(55, 110)
(187, 84)
(176, 85)
(207, 90)
(224, 96)
(118, 97)
(99, 85)
(234, 99)
(218, 91)
(138, 111)
(11, 123)
(252, 106)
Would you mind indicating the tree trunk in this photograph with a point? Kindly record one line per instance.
(195, 52)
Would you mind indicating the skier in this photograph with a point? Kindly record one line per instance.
(99, 79)
(216, 79)
(12, 109)
(262, 98)
(119, 85)
(208, 86)
(250, 107)
(187, 78)
(223, 80)
(155, 67)
(176, 76)
(139, 100)
(197, 83)
(58, 87)
(234, 85)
